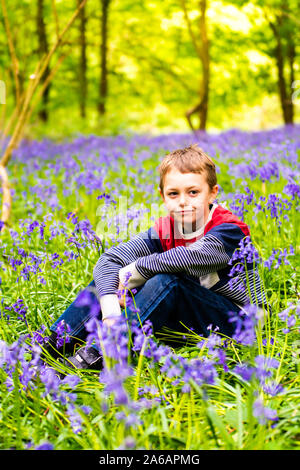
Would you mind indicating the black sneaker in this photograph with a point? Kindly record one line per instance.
(86, 358)
(50, 347)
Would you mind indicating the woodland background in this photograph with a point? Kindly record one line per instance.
(153, 66)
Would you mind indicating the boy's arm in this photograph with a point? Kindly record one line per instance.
(209, 254)
(108, 270)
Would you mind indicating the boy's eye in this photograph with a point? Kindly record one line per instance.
(194, 191)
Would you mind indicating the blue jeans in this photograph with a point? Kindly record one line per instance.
(175, 301)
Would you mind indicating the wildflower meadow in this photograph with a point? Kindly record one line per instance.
(75, 198)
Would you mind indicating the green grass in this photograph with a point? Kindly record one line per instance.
(217, 416)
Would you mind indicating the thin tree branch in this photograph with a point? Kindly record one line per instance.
(38, 74)
(26, 111)
(190, 29)
(55, 17)
(44, 86)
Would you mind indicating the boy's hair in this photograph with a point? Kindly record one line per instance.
(191, 159)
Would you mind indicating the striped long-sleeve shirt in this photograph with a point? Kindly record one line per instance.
(164, 248)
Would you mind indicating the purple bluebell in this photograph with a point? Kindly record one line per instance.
(273, 388)
(263, 413)
(293, 190)
(45, 446)
(245, 322)
(75, 418)
(50, 380)
(63, 334)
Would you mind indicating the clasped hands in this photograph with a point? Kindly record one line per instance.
(111, 321)
(121, 298)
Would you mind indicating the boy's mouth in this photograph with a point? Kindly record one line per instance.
(187, 211)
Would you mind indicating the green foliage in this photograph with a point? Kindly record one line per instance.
(153, 68)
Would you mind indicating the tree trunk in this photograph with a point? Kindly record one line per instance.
(103, 57)
(281, 80)
(83, 62)
(43, 50)
(286, 102)
(291, 52)
(204, 90)
(202, 49)
(281, 57)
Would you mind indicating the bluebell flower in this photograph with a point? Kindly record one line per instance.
(263, 413)
(129, 443)
(75, 418)
(273, 388)
(293, 190)
(245, 371)
(71, 380)
(45, 446)
(245, 322)
(63, 331)
(51, 381)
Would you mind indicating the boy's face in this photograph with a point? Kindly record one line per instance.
(187, 197)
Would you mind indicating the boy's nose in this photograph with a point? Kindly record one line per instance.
(183, 200)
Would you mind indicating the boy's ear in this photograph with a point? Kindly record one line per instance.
(214, 192)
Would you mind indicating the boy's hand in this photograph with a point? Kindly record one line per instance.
(121, 300)
(110, 321)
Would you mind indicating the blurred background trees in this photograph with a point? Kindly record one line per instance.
(153, 66)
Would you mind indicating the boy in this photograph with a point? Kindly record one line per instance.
(179, 266)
